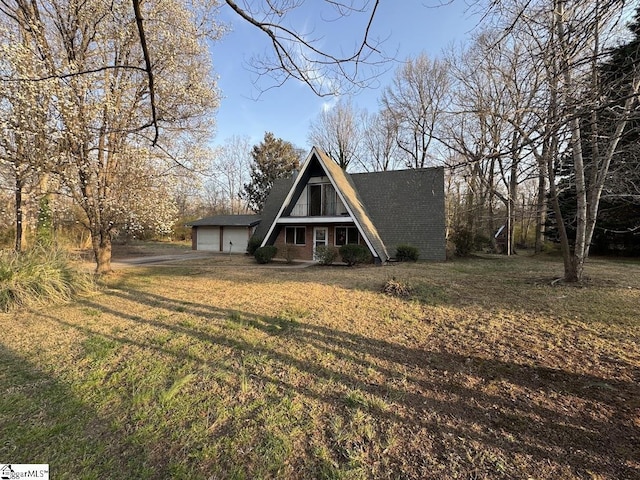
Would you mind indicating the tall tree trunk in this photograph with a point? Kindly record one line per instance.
(513, 192)
(541, 201)
(491, 224)
(19, 216)
(565, 246)
(101, 242)
(573, 258)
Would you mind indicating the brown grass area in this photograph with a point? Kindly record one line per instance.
(225, 369)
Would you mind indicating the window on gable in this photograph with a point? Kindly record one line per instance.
(295, 235)
(315, 200)
(347, 236)
(323, 200)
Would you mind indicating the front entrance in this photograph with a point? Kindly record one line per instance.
(320, 237)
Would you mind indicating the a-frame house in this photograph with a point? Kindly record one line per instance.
(323, 205)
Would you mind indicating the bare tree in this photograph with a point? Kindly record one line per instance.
(230, 171)
(297, 54)
(581, 34)
(338, 131)
(416, 101)
(380, 150)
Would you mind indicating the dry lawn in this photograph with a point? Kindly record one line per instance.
(221, 368)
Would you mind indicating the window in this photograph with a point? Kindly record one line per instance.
(322, 199)
(295, 235)
(347, 235)
(315, 200)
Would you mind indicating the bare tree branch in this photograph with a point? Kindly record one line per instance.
(148, 69)
(299, 58)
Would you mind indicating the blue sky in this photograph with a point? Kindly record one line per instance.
(409, 27)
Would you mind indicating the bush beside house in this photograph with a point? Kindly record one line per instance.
(265, 254)
(354, 254)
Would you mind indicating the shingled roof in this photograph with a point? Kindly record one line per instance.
(389, 208)
(349, 196)
(275, 199)
(227, 221)
(407, 207)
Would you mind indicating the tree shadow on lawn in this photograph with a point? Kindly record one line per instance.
(43, 421)
(508, 284)
(557, 418)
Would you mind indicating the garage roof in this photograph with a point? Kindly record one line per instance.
(226, 221)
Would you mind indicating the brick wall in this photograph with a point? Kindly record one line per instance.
(305, 252)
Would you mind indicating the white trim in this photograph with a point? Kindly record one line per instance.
(326, 239)
(308, 220)
(289, 196)
(287, 199)
(353, 217)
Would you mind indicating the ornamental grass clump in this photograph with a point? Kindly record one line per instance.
(42, 275)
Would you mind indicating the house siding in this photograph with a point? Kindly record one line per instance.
(305, 252)
(390, 208)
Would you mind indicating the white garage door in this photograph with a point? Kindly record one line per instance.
(238, 236)
(208, 238)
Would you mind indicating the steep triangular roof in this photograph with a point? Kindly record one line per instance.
(275, 199)
(347, 193)
(407, 207)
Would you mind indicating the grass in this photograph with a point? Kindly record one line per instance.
(233, 370)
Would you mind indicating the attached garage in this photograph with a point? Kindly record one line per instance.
(208, 238)
(223, 233)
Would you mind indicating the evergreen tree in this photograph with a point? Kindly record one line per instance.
(273, 158)
(619, 218)
(618, 221)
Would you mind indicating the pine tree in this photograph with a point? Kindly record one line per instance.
(273, 158)
(618, 221)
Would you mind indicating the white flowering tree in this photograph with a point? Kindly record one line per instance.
(25, 122)
(92, 51)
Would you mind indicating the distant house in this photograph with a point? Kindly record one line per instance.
(323, 205)
(223, 233)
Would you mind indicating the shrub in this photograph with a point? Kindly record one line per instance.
(464, 242)
(354, 254)
(265, 254)
(39, 276)
(287, 253)
(407, 253)
(254, 243)
(326, 254)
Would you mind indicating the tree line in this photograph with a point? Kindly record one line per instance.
(535, 118)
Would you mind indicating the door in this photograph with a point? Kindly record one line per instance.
(320, 237)
(235, 239)
(208, 238)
